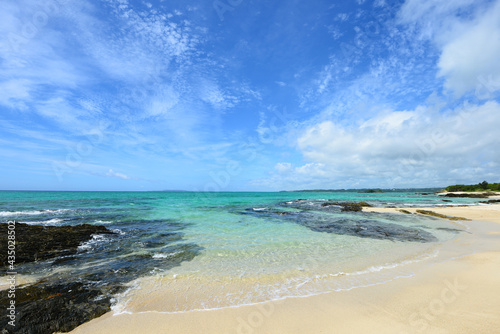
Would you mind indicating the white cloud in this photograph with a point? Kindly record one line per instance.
(467, 35)
(407, 148)
(112, 173)
(283, 167)
(212, 94)
(474, 54)
(342, 17)
(163, 103)
(14, 92)
(312, 170)
(428, 11)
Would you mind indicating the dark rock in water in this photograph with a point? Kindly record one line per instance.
(352, 207)
(317, 216)
(347, 206)
(37, 243)
(448, 229)
(330, 204)
(446, 200)
(492, 201)
(405, 211)
(282, 213)
(63, 300)
(467, 195)
(370, 229)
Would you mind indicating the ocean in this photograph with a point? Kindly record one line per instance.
(183, 251)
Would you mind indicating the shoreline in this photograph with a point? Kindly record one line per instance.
(458, 295)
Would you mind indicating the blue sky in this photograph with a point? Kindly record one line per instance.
(247, 95)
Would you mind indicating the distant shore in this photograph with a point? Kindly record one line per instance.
(459, 295)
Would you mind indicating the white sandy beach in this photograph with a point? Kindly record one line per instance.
(459, 295)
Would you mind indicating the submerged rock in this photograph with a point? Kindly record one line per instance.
(492, 201)
(321, 205)
(317, 216)
(347, 206)
(373, 229)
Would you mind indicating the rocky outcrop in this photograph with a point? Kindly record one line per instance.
(492, 201)
(37, 243)
(348, 206)
(438, 215)
(65, 299)
(48, 307)
(312, 215)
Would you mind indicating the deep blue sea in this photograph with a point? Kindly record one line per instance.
(183, 251)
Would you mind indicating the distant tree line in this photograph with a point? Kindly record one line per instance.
(483, 186)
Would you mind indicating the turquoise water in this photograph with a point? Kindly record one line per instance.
(227, 249)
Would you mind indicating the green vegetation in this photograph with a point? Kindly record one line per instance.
(483, 186)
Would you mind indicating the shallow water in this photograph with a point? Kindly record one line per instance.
(186, 251)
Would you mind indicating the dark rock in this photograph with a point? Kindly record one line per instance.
(313, 217)
(492, 201)
(63, 300)
(447, 229)
(351, 207)
(467, 195)
(45, 308)
(369, 229)
(330, 204)
(37, 243)
(438, 215)
(405, 211)
(347, 206)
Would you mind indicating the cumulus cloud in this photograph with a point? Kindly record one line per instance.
(471, 60)
(283, 167)
(467, 34)
(401, 148)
